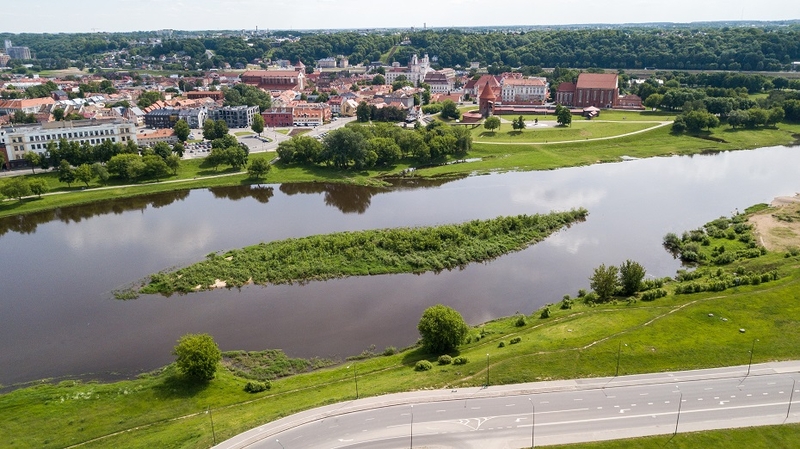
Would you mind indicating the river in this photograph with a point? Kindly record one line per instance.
(60, 268)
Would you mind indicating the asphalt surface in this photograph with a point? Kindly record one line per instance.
(565, 411)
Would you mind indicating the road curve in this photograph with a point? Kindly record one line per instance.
(565, 412)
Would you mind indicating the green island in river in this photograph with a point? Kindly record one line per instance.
(359, 253)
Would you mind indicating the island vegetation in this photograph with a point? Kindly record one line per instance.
(360, 253)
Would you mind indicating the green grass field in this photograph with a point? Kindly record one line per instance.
(164, 410)
(551, 132)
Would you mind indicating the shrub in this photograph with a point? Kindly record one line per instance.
(515, 340)
(390, 350)
(423, 365)
(566, 303)
(545, 313)
(460, 360)
(520, 321)
(502, 344)
(445, 360)
(652, 295)
(257, 387)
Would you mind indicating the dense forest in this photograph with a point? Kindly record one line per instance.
(769, 47)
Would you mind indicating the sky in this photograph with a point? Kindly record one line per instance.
(134, 15)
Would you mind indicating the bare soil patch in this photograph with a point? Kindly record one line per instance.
(778, 228)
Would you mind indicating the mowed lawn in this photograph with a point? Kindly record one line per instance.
(550, 131)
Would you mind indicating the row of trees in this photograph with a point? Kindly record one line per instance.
(698, 119)
(379, 145)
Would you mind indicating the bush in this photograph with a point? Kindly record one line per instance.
(197, 356)
(520, 321)
(515, 340)
(460, 360)
(445, 360)
(652, 295)
(423, 365)
(442, 329)
(257, 387)
(545, 313)
(502, 344)
(390, 350)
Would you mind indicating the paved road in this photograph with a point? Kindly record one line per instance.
(565, 412)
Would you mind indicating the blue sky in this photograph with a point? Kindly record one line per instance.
(130, 15)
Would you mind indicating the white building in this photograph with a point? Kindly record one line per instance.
(523, 90)
(415, 71)
(20, 139)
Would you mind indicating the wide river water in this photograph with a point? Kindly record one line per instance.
(58, 318)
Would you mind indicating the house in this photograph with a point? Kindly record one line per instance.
(348, 108)
(275, 80)
(27, 106)
(20, 139)
(160, 135)
(162, 118)
(234, 116)
(565, 94)
(439, 82)
(524, 91)
(278, 117)
(630, 102)
(213, 94)
(311, 114)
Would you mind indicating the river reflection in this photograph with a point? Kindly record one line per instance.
(27, 224)
(58, 318)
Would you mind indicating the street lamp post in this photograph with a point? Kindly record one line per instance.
(791, 396)
(487, 370)
(412, 427)
(355, 378)
(749, 364)
(211, 417)
(533, 423)
(279, 442)
(678, 419)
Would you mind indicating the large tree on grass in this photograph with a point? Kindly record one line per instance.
(258, 168)
(604, 281)
(33, 159)
(442, 329)
(491, 123)
(258, 124)
(631, 275)
(197, 356)
(182, 130)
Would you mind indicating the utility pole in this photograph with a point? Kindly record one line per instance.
(678, 420)
(533, 423)
(751, 357)
(791, 396)
(412, 427)
(211, 416)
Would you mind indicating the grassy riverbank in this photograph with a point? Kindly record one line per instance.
(361, 253)
(684, 331)
(531, 149)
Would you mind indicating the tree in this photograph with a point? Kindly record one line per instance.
(58, 114)
(173, 161)
(197, 356)
(216, 157)
(178, 149)
(221, 128)
(518, 123)
(775, 116)
(450, 110)
(155, 167)
(604, 281)
(209, 130)
(66, 173)
(653, 101)
(100, 171)
(258, 124)
(738, 118)
(631, 275)
(33, 159)
(258, 168)
(442, 329)
(147, 98)
(84, 174)
(182, 130)
(363, 112)
(386, 150)
(378, 80)
(491, 123)
(16, 187)
(162, 149)
(563, 116)
(38, 186)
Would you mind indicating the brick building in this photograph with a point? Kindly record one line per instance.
(278, 117)
(592, 89)
(275, 80)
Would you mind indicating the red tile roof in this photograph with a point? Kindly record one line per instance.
(597, 81)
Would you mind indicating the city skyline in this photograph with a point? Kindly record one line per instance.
(147, 15)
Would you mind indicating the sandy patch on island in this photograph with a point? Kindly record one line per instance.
(778, 228)
(218, 284)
